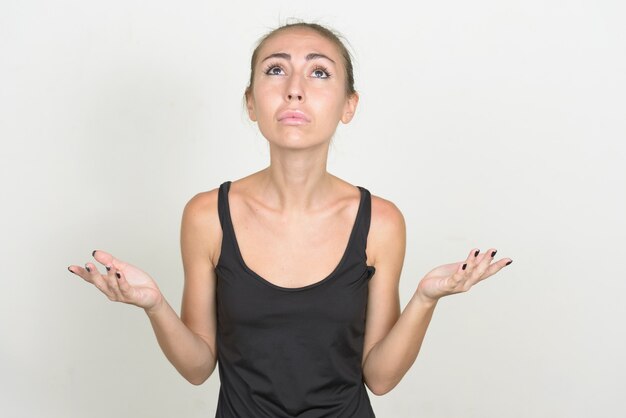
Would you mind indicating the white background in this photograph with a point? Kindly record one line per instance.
(488, 123)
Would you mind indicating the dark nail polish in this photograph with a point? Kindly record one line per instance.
(464, 265)
(510, 261)
(494, 253)
(118, 275)
(88, 269)
(70, 270)
(476, 253)
(108, 268)
(93, 253)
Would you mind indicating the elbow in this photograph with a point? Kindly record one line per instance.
(376, 390)
(380, 389)
(197, 380)
(200, 376)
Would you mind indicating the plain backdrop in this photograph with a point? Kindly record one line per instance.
(488, 123)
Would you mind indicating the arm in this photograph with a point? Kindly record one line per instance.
(188, 352)
(390, 359)
(188, 342)
(393, 341)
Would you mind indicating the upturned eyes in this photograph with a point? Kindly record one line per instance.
(318, 70)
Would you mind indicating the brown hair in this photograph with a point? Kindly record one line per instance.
(330, 34)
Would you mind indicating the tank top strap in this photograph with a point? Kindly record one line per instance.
(222, 206)
(363, 224)
(228, 249)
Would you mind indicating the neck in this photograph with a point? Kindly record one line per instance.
(299, 183)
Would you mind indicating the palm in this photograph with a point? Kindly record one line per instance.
(145, 292)
(452, 278)
(433, 285)
(134, 286)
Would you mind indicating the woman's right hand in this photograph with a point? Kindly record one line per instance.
(123, 282)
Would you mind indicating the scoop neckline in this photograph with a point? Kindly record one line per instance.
(293, 289)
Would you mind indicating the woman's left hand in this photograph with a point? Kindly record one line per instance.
(449, 279)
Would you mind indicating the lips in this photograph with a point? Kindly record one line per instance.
(293, 115)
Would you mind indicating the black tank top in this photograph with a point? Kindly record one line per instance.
(292, 352)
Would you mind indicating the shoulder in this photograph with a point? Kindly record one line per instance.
(387, 231)
(201, 201)
(201, 224)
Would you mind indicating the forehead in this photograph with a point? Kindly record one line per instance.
(298, 42)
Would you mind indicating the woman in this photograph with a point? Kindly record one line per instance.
(291, 274)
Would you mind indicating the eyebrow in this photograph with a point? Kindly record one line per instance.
(309, 57)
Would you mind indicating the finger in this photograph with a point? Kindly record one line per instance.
(112, 265)
(476, 266)
(106, 259)
(81, 272)
(465, 269)
(496, 267)
(97, 279)
(455, 282)
(125, 289)
(111, 281)
(483, 265)
(472, 260)
(482, 256)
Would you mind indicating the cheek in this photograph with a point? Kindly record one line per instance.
(266, 101)
(331, 103)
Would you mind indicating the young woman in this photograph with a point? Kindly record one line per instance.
(291, 273)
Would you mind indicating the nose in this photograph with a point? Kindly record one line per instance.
(297, 95)
(294, 90)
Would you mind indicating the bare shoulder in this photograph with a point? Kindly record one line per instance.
(201, 223)
(387, 228)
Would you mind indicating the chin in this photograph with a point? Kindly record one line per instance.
(295, 141)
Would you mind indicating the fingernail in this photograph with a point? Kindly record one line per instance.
(70, 270)
(93, 253)
(464, 265)
(510, 261)
(87, 268)
(108, 268)
(494, 253)
(118, 275)
(476, 253)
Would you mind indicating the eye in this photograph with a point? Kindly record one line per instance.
(275, 68)
(269, 70)
(321, 68)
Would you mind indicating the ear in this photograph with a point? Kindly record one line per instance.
(350, 107)
(250, 107)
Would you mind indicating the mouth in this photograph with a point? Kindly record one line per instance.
(293, 117)
(293, 121)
